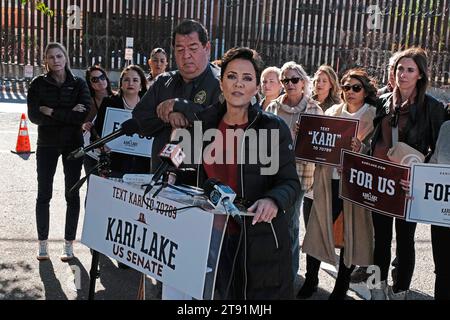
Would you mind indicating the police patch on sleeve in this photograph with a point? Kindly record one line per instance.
(200, 97)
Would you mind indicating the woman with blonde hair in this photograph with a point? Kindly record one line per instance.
(270, 85)
(326, 91)
(58, 103)
(294, 102)
(359, 96)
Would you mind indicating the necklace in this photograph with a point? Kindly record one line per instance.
(126, 105)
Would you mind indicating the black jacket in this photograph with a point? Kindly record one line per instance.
(422, 127)
(120, 163)
(63, 128)
(203, 91)
(263, 270)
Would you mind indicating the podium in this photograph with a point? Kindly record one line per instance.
(158, 237)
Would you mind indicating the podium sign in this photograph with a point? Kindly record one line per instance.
(172, 247)
(430, 194)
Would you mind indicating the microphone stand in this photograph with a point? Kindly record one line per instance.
(102, 164)
(164, 184)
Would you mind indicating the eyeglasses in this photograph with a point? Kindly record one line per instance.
(97, 79)
(285, 81)
(355, 88)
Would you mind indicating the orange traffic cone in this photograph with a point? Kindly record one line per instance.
(23, 139)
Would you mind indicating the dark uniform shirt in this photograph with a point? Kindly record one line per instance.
(190, 97)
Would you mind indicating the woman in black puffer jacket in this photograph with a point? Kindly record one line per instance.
(255, 260)
(58, 103)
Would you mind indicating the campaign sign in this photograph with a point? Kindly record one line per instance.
(135, 145)
(430, 194)
(373, 183)
(155, 237)
(94, 154)
(321, 138)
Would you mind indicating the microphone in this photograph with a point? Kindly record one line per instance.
(171, 155)
(78, 153)
(219, 193)
(127, 127)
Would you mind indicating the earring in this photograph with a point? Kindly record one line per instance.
(221, 98)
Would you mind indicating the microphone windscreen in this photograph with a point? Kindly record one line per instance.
(130, 127)
(209, 184)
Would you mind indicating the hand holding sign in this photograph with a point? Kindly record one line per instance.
(320, 139)
(373, 183)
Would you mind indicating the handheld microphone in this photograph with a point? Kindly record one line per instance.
(172, 155)
(221, 194)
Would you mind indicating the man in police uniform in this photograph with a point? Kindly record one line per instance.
(175, 96)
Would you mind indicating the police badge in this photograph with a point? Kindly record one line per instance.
(200, 97)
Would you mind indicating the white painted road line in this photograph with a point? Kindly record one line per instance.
(13, 107)
(15, 132)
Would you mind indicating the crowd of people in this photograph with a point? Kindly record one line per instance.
(236, 94)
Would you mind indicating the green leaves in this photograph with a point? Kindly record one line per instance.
(42, 7)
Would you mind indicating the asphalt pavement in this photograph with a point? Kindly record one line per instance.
(22, 276)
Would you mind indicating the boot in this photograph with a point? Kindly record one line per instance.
(308, 288)
(339, 292)
(379, 293)
(311, 278)
(342, 284)
(342, 281)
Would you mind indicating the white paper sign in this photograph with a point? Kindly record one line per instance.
(128, 53)
(171, 247)
(135, 145)
(94, 154)
(430, 194)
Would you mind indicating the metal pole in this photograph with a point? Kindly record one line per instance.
(107, 56)
(93, 274)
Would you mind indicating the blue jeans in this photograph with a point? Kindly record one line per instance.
(46, 162)
(294, 231)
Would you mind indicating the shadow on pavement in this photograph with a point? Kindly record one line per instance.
(12, 289)
(120, 284)
(52, 286)
(80, 280)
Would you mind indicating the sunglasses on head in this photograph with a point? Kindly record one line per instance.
(97, 79)
(355, 88)
(293, 80)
